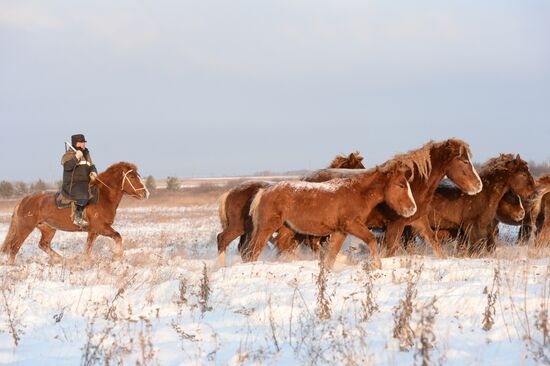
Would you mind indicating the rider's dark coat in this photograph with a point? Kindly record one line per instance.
(76, 175)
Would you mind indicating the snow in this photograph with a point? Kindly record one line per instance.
(259, 313)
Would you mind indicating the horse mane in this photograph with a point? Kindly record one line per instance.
(350, 161)
(545, 179)
(494, 165)
(421, 157)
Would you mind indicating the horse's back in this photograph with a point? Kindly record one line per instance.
(324, 175)
(36, 200)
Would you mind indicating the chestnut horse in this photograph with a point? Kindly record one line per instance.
(474, 216)
(337, 208)
(235, 205)
(432, 162)
(429, 164)
(39, 210)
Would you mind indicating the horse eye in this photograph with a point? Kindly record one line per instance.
(401, 185)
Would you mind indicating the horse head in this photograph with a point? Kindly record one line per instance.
(397, 192)
(460, 169)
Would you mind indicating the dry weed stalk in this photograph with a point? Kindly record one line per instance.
(323, 300)
(426, 341)
(368, 305)
(14, 324)
(490, 310)
(402, 313)
(147, 351)
(273, 325)
(204, 291)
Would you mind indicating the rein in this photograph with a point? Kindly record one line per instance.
(124, 180)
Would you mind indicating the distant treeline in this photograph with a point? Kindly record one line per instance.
(18, 189)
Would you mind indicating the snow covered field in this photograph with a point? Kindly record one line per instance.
(148, 308)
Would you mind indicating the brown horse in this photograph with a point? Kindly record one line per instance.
(433, 161)
(429, 164)
(510, 210)
(39, 210)
(537, 217)
(474, 216)
(235, 205)
(337, 208)
(352, 161)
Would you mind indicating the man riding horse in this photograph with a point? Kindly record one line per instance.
(78, 171)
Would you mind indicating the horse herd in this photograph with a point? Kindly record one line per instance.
(404, 197)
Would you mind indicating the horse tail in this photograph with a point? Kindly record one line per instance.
(223, 212)
(12, 232)
(254, 210)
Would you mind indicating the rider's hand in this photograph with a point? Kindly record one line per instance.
(93, 176)
(79, 154)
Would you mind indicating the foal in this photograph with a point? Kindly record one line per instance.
(336, 208)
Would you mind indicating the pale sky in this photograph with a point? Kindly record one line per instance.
(214, 88)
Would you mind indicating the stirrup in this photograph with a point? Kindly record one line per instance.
(79, 220)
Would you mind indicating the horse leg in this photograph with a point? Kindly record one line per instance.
(422, 226)
(225, 237)
(92, 236)
(285, 241)
(113, 234)
(21, 230)
(328, 256)
(542, 238)
(392, 239)
(362, 232)
(46, 240)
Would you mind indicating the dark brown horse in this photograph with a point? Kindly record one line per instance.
(39, 210)
(337, 208)
(474, 216)
(235, 205)
(510, 210)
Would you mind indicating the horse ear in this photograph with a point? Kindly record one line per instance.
(518, 158)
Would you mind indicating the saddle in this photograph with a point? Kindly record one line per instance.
(62, 201)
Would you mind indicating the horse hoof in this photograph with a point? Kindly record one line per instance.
(377, 263)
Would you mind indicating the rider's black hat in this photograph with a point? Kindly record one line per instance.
(77, 138)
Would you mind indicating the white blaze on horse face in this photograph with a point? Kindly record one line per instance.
(480, 183)
(412, 210)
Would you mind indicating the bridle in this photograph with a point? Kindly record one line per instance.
(125, 178)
